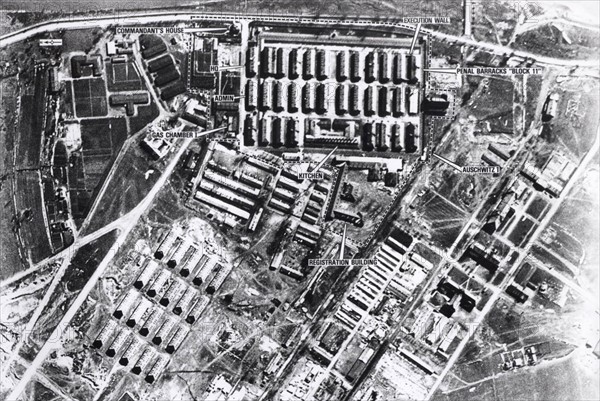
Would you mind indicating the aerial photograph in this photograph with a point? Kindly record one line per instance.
(276, 200)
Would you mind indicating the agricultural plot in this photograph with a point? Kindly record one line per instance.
(90, 97)
(102, 139)
(123, 77)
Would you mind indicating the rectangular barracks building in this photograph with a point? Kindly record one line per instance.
(358, 80)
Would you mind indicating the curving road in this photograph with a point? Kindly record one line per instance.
(185, 16)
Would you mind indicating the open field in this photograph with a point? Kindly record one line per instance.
(80, 39)
(399, 7)
(32, 226)
(522, 231)
(144, 116)
(538, 207)
(32, 121)
(464, 190)
(134, 177)
(576, 224)
(444, 218)
(574, 128)
(494, 104)
(103, 134)
(568, 379)
(39, 392)
(565, 369)
(102, 140)
(10, 261)
(550, 40)
(82, 266)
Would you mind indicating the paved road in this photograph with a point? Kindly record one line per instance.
(66, 253)
(186, 16)
(127, 222)
(581, 169)
(66, 256)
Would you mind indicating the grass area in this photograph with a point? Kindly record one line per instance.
(551, 261)
(144, 116)
(30, 218)
(509, 327)
(558, 381)
(494, 22)
(568, 246)
(463, 190)
(41, 392)
(549, 40)
(533, 91)
(31, 120)
(10, 262)
(86, 260)
(482, 391)
(495, 99)
(522, 231)
(90, 97)
(445, 219)
(576, 225)
(538, 207)
(123, 77)
(573, 130)
(81, 268)
(80, 39)
(102, 140)
(133, 179)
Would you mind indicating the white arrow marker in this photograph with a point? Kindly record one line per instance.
(343, 244)
(198, 30)
(231, 67)
(322, 162)
(414, 40)
(441, 70)
(448, 162)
